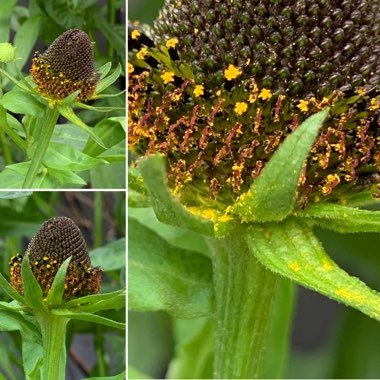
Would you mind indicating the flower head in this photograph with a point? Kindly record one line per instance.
(58, 239)
(66, 66)
(264, 67)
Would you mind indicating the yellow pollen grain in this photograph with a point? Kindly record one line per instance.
(237, 167)
(45, 258)
(350, 295)
(231, 72)
(241, 107)
(294, 266)
(225, 218)
(135, 34)
(265, 94)
(48, 266)
(218, 93)
(171, 43)
(196, 30)
(142, 53)
(303, 105)
(327, 266)
(167, 76)
(199, 90)
(131, 69)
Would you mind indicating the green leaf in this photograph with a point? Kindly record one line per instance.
(67, 112)
(57, 289)
(108, 176)
(341, 218)
(107, 81)
(89, 318)
(194, 352)
(110, 131)
(273, 194)
(168, 209)
(22, 102)
(120, 376)
(133, 373)
(292, 250)
(11, 306)
(10, 321)
(110, 256)
(32, 289)
(164, 277)
(6, 9)
(61, 178)
(97, 302)
(64, 157)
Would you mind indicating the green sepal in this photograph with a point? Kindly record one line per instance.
(292, 250)
(54, 297)
(164, 277)
(341, 218)
(107, 81)
(32, 290)
(168, 209)
(97, 302)
(273, 194)
(88, 317)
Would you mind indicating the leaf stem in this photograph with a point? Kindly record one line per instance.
(45, 127)
(111, 12)
(245, 293)
(53, 329)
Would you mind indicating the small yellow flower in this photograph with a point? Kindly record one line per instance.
(199, 90)
(167, 76)
(361, 91)
(265, 94)
(142, 53)
(375, 104)
(231, 72)
(131, 68)
(241, 107)
(252, 98)
(135, 34)
(303, 105)
(171, 43)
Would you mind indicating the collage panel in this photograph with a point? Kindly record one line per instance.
(62, 94)
(254, 189)
(63, 315)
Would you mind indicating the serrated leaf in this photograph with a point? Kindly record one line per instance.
(89, 318)
(292, 250)
(168, 209)
(32, 289)
(341, 218)
(54, 297)
(273, 194)
(164, 277)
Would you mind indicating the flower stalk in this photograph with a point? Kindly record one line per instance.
(45, 128)
(245, 291)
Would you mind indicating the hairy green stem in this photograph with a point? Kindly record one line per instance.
(53, 329)
(3, 141)
(245, 293)
(45, 127)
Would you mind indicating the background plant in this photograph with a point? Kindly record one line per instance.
(101, 219)
(82, 150)
(164, 297)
